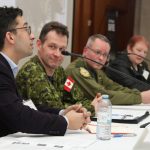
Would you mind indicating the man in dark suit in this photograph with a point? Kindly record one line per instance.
(16, 42)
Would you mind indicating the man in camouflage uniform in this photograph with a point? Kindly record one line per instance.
(42, 79)
(91, 78)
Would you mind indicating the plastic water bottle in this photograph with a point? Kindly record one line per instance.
(104, 119)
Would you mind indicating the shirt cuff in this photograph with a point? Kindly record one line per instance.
(66, 121)
(61, 112)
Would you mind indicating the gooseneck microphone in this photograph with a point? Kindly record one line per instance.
(126, 53)
(66, 53)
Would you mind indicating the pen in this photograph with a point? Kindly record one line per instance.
(122, 116)
(144, 125)
(124, 135)
(120, 133)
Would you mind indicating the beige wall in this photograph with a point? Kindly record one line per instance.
(142, 19)
(39, 12)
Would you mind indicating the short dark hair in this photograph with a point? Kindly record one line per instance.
(8, 17)
(53, 26)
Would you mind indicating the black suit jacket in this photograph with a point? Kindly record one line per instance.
(16, 117)
(123, 64)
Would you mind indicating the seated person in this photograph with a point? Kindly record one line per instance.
(43, 78)
(16, 42)
(91, 78)
(131, 62)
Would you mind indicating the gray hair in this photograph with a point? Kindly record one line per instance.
(92, 38)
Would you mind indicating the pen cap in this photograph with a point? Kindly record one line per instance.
(105, 101)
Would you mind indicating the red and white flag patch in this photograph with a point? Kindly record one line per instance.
(69, 84)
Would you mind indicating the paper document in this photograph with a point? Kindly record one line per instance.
(133, 107)
(116, 128)
(23, 141)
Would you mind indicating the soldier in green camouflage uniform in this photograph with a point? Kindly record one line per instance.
(91, 78)
(45, 85)
(33, 82)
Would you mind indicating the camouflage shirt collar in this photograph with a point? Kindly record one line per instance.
(38, 62)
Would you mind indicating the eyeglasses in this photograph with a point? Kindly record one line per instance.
(27, 28)
(98, 52)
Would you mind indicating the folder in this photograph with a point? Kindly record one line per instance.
(130, 119)
(127, 118)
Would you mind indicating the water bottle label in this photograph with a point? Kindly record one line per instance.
(103, 117)
(104, 125)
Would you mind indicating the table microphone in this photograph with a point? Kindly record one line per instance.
(66, 53)
(126, 53)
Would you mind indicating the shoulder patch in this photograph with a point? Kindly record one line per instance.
(84, 72)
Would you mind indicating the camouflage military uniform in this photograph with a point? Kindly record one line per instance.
(33, 83)
(93, 81)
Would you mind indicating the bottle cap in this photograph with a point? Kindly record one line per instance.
(105, 96)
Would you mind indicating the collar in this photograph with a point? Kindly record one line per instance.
(13, 66)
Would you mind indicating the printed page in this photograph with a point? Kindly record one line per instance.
(116, 128)
(22, 141)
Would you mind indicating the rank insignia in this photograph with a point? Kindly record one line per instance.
(84, 72)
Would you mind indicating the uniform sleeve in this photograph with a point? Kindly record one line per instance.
(118, 94)
(33, 83)
(78, 97)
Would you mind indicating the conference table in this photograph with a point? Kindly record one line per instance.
(82, 139)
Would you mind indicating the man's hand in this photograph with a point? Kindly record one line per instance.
(79, 110)
(145, 97)
(75, 107)
(86, 115)
(76, 120)
(96, 101)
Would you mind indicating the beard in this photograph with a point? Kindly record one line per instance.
(50, 64)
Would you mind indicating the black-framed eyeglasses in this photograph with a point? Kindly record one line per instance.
(98, 52)
(27, 28)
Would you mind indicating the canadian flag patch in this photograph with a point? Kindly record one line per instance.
(69, 84)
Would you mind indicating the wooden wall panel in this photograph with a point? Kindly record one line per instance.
(81, 29)
(96, 11)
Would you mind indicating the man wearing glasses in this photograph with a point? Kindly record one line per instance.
(16, 42)
(91, 78)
